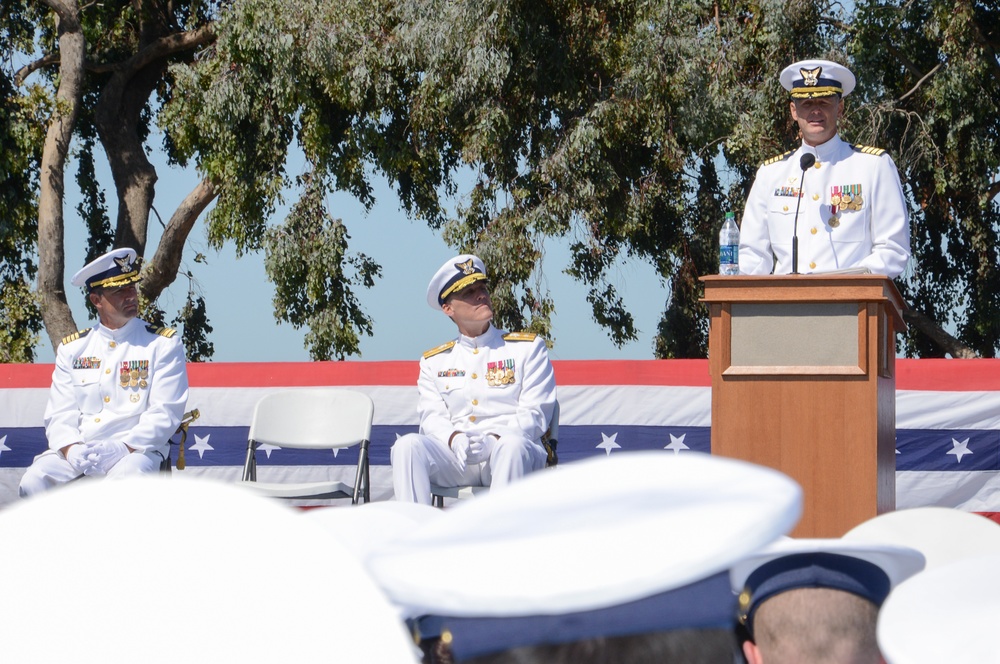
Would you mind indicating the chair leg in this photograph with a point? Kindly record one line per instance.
(361, 476)
(250, 465)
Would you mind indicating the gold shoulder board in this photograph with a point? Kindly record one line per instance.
(440, 349)
(780, 157)
(520, 336)
(76, 335)
(867, 149)
(162, 331)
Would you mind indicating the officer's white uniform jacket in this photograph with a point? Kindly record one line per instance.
(486, 383)
(89, 402)
(831, 237)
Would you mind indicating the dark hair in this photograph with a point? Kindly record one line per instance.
(680, 646)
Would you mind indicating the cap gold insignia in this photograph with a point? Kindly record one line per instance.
(466, 267)
(810, 77)
(124, 264)
(744, 603)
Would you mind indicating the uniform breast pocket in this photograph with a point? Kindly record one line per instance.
(451, 389)
(87, 390)
(780, 220)
(851, 228)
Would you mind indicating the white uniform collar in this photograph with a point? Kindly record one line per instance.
(826, 151)
(124, 331)
(492, 337)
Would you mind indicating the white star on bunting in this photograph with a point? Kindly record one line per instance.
(677, 444)
(959, 449)
(201, 445)
(608, 444)
(267, 449)
(3, 445)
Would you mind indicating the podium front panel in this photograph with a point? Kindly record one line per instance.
(777, 334)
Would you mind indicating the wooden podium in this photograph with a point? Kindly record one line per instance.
(803, 381)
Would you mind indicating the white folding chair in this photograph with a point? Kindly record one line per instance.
(313, 418)
(550, 440)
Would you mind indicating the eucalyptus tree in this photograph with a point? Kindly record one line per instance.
(599, 121)
(929, 76)
(20, 320)
(626, 127)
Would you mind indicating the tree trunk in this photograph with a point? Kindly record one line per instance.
(56, 313)
(117, 118)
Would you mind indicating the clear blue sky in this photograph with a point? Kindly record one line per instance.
(238, 295)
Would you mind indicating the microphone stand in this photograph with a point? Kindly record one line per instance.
(805, 162)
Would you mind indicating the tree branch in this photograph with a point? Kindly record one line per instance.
(162, 270)
(30, 68)
(162, 48)
(937, 334)
(920, 82)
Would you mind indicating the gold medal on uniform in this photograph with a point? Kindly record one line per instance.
(834, 199)
(834, 222)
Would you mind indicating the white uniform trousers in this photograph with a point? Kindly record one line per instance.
(418, 460)
(50, 469)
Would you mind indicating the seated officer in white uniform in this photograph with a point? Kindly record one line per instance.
(851, 210)
(485, 398)
(119, 389)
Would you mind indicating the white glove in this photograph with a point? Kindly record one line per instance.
(480, 447)
(460, 444)
(76, 455)
(104, 455)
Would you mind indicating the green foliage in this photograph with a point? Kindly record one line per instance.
(193, 319)
(314, 276)
(20, 322)
(20, 153)
(929, 82)
(623, 127)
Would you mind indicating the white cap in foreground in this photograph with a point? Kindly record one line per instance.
(946, 614)
(591, 536)
(184, 570)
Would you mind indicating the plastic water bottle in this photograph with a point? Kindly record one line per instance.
(729, 246)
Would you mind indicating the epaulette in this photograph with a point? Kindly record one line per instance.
(780, 157)
(520, 336)
(440, 349)
(76, 335)
(162, 331)
(867, 149)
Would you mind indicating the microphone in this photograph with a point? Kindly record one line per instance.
(805, 162)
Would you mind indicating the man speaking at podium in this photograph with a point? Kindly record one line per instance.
(842, 203)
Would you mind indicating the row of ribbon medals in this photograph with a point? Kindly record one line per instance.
(500, 373)
(134, 374)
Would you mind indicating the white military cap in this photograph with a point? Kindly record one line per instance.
(453, 276)
(866, 569)
(184, 570)
(817, 78)
(115, 268)
(369, 527)
(942, 534)
(946, 614)
(628, 544)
